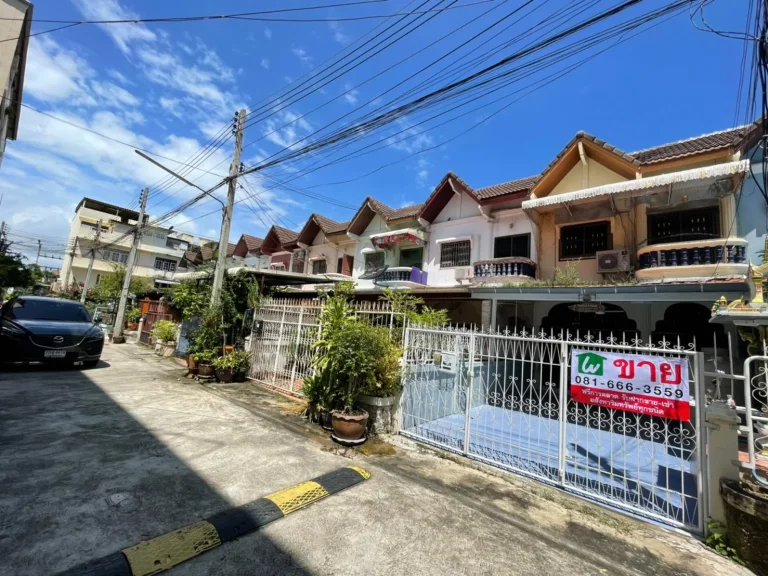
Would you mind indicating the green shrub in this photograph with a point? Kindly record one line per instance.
(164, 331)
(237, 361)
(133, 315)
(206, 356)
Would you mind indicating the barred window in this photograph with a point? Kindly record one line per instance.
(319, 267)
(454, 254)
(584, 240)
(164, 264)
(374, 261)
(299, 258)
(115, 256)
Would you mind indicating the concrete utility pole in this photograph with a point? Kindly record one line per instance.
(90, 262)
(39, 247)
(117, 330)
(65, 285)
(3, 246)
(226, 219)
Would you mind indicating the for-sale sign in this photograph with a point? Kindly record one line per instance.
(651, 385)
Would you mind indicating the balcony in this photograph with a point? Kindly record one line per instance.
(402, 276)
(502, 270)
(717, 258)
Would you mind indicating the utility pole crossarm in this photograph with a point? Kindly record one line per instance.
(226, 219)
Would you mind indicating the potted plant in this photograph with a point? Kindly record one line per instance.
(164, 333)
(225, 367)
(242, 361)
(132, 318)
(205, 359)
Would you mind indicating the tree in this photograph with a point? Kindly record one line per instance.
(13, 273)
(111, 284)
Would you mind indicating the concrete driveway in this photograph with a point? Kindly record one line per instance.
(95, 461)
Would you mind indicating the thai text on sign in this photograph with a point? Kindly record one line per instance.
(651, 385)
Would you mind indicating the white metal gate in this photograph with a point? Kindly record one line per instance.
(284, 331)
(504, 399)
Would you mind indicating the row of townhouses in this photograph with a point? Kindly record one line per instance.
(637, 243)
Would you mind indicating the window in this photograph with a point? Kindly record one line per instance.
(165, 265)
(319, 267)
(584, 240)
(455, 253)
(374, 261)
(115, 256)
(518, 245)
(175, 244)
(54, 310)
(411, 257)
(684, 226)
(340, 266)
(299, 258)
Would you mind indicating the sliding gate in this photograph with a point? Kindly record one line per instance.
(515, 401)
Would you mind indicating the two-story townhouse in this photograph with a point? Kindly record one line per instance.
(639, 244)
(159, 254)
(248, 252)
(323, 247)
(278, 245)
(389, 246)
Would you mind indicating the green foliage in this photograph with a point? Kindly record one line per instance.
(191, 298)
(237, 361)
(164, 331)
(133, 315)
(351, 357)
(568, 276)
(717, 539)
(110, 285)
(210, 335)
(206, 356)
(13, 273)
(412, 307)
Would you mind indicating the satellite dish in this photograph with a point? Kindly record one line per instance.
(374, 273)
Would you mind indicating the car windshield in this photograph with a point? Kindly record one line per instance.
(57, 311)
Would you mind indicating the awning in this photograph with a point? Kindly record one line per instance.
(414, 235)
(697, 176)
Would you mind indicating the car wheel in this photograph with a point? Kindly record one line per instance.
(90, 363)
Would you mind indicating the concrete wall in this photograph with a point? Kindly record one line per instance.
(752, 213)
(580, 177)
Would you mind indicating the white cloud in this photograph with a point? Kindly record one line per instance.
(302, 55)
(268, 33)
(350, 94)
(171, 105)
(55, 74)
(120, 77)
(123, 35)
(265, 63)
(409, 138)
(338, 34)
(113, 94)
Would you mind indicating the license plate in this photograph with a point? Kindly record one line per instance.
(55, 353)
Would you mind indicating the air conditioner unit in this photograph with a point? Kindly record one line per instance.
(612, 261)
(464, 272)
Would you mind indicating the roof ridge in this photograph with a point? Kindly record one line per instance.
(531, 177)
(715, 133)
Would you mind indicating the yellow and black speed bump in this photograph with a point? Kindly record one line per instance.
(164, 552)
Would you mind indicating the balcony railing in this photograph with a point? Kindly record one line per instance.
(403, 274)
(720, 256)
(500, 268)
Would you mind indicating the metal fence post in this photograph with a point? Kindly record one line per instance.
(279, 342)
(703, 474)
(403, 380)
(562, 411)
(296, 352)
(468, 415)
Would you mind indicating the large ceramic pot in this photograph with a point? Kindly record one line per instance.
(224, 375)
(382, 413)
(205, 370)
(133, 326)
(746, 514)
(349, 427)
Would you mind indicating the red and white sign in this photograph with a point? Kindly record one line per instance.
(651, 385)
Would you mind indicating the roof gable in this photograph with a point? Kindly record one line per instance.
(372, 207)
(247, 245)
(318, 223)
(598, 150)
(278, 239)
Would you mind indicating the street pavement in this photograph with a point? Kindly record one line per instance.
(94, 461)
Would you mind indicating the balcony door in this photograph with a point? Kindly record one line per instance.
(684, 225)
(518, 245)
(411, 257)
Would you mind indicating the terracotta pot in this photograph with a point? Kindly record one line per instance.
(205, 369)
(131, 326)
(192, 362)
(228, 349)
(224, 375)
(349, 426)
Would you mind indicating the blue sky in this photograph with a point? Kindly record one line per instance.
(169, 87)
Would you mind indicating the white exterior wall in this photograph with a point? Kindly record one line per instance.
(461, 219)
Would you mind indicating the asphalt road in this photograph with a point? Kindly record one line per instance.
(95, 461)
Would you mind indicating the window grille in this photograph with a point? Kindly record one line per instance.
(454, 254)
